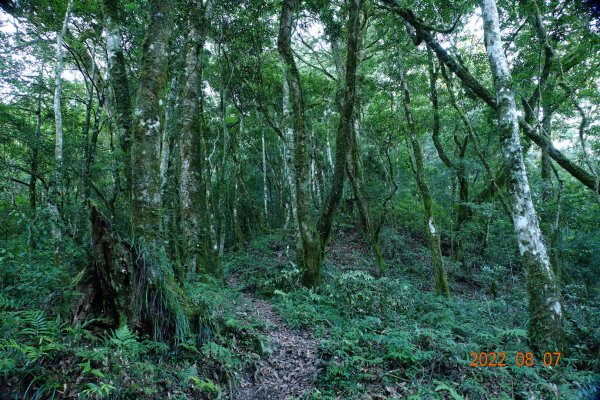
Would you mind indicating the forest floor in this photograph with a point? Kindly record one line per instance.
(290, 368)
(356, 337)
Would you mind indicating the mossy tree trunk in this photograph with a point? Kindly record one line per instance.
(195, 243)
(431, 231)
(169, 167)
(33, 177)
(346, 149)
(145, 152)
(133, 283)
(424, 33)
(545, 307)
(345, 99)
(119, 82)
(264, 176)
(309, 254)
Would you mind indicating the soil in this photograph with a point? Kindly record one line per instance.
(289, 370)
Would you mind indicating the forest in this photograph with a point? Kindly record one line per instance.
(299, 199)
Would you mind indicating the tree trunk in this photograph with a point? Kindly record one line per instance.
(56, 188)
(117, 74)
(90, 145)
(345, 127)
(194, 235)
(146, 185)
(35, 151)
(433, 236)
(264, 171)
(288, 149)
(352, 168)
(545, 308)
(169, 167)
(462, 210)
(166, 142)
(309, 254)
(236, 205)
(537, 102)
(480, 91)
(140, 277)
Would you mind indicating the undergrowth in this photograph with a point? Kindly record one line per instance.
(388, 338)
(44, 356)
(379, 338)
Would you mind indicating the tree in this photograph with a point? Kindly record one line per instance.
(192, 190)
(433, 236)
(545, 308)
(56, 187)
(119, 83)
(309, 252)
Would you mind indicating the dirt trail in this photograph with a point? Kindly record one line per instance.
(289, 371)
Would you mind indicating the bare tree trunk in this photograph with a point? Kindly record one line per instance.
(329, 157)
(56, 188)
(545, 308)
(309, 254)
(433, 236)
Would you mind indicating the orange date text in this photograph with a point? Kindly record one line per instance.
(522, 359)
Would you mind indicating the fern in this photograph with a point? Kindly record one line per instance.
(123, 337)
(99, 391)
(205, 385)
(7, 303)
(512, 334)
(442, 386)
(190, 347)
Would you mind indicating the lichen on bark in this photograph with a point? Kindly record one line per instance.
(545, 309)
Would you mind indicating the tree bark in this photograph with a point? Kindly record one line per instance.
(353, 170)
(35, 150)
(545, 308)
(309, 254)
